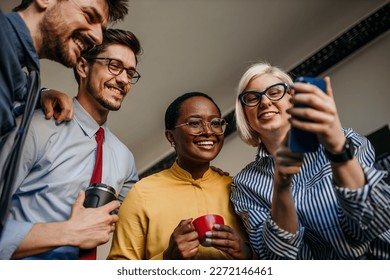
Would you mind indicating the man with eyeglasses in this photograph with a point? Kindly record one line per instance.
(59, 30)
(47, 218)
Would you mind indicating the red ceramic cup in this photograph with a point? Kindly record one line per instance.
(206, 223)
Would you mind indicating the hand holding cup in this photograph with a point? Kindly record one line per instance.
(205, 224)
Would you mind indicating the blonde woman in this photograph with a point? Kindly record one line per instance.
(327, 204)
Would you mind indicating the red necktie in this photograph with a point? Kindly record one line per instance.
(97, 170)
(96, 178)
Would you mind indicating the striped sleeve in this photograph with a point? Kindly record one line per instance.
(366, 210)
(268, 240)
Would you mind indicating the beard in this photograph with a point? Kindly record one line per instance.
(99, 96)
(54, 42)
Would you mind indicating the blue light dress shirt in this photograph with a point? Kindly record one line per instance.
(57, 163)
(334, 222)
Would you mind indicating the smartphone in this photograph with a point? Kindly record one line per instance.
(301, 141)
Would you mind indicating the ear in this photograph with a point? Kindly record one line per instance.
(169, 136)
(44, 4)
(82, 67)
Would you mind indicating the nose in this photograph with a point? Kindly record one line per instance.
(122, 78)
(206, 128)
(264, 100)
(96, 34)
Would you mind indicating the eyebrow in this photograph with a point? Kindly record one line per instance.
(97, 16)
(200, 117)
(128, 68)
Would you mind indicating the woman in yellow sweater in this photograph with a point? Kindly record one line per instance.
(155, 219)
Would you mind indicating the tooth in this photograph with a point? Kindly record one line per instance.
(205, 143)
(115, 90)
(79, 44)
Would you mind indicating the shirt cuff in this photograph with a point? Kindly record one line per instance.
(12, 236)
(280, 242)
(361, 204)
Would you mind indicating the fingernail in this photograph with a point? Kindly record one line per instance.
(208, 234)
(217, 226)
(207, 241)
(292, 85)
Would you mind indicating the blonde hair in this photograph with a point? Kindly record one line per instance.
(246, 133)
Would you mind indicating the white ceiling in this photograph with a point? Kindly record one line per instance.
(206, 45)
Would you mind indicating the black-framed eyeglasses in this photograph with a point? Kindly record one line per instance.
(198, 126)
(274, 93)
(116, 67)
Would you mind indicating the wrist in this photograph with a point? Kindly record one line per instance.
(282, 182)
(334, 143)
(67, 236)
(345, 154)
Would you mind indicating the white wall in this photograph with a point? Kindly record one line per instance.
(362, 93)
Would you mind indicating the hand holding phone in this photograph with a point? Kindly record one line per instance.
(301, 141)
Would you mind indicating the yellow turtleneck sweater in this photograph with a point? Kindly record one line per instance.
(156, 204)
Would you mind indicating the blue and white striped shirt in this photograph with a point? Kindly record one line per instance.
(334, 223)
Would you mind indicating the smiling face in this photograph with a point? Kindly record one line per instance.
(197, 150)
(100, 90)
(70, 27)
(267, 116)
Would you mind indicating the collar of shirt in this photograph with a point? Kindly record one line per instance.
(262, 153)
(186, 176)
(23, 42)
(85, 121)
